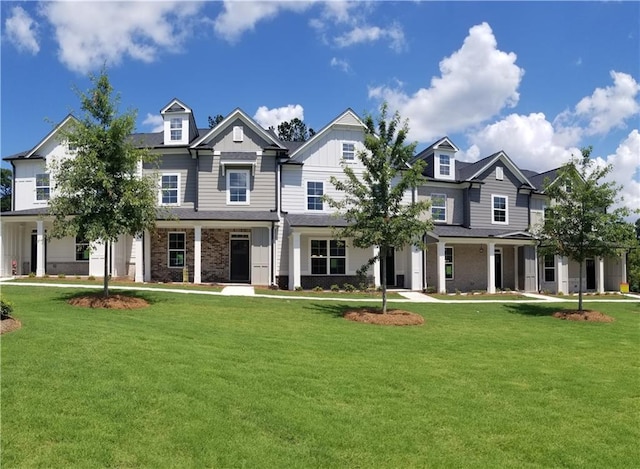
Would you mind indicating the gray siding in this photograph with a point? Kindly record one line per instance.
(455, 201)
(213, 185)
(260, 256)
(251, 141)
(480, 201)
(182, 164)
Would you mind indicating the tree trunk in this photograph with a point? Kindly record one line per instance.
(383, 277)
(105, 291)
(580, 288)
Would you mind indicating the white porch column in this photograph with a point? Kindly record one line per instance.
(515, 268)
(599, 274)
(560, 275)
(147, 256)
(197, 254)
(376, 267)
(416, 268)
(442, 281)
(623, 267)
(294, 266)
(491, 268)
(20, 241)
(137, 242)
(40, 270)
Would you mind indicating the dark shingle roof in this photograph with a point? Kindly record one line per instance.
(538, 179)
(320, 220)
(183, 213)
(456, 231)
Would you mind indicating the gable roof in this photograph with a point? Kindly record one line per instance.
(50, 135)
(346, 113)
(175, 105)
(444, 143)
(473, 170)
(239, 114)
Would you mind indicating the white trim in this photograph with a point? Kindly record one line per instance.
(247, 188)
(343, 151)
(499, 173)
(48, 186)
(506, 209)
(452, 263)
(306, 196)
(160, 190)
(240, 236)
(441, 196)
(238, 133)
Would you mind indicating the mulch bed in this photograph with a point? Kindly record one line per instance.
(109, 302)
(393, 317)
(9, 324)
(585, 315)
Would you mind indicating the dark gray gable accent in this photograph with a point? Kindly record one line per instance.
(301, 219)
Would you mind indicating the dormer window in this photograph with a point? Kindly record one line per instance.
(445, 165)
(176, 129)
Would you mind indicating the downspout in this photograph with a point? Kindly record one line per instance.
(272, 277)
(13, 186)
(195, 203)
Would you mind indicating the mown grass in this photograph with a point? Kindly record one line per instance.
(480, 297)
(114, 283)
(329, 294)
(201, 381)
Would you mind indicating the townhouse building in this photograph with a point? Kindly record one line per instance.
(238, 205)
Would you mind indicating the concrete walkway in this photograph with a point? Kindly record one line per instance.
(239, 290)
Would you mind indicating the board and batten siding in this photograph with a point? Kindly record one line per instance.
(213, 185)
(185, 166)
(480, 201)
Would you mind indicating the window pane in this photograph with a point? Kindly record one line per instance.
(176, 240)
(337, 248)
(348, 151)
(318, 248)
(319, 266)
(176, 259)
(337, 265)
(314, 195)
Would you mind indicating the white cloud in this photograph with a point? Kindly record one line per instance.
(90, 34)
(477, 82)
(606, 109)
(239, 17)
(154, 121)
(21, 31)
(273, 117)
(625, 169)
(361, 34)
(340, 64)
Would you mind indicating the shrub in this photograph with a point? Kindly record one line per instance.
(274, 286)
(91, 277)
(318, 288)
(298, 288)
(6, 308)
(458, 292)
(32, 274)
(348, 287)
(430, 290)
(61, 275)
(335, 288)
(363, 287)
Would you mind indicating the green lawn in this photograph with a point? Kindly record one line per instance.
(480, 297)
(209, 381)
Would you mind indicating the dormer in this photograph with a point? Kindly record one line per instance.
(441, 160)
(179, 124)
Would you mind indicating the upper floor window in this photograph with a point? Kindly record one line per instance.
(448, 263)
(328, 256)
(315, 191)
(176, 128)
(42, 186)
(177, 249)
(549, 268)
(438, 207)
(445, 165)
(348, 151)
(170, 189)
(499, 209)
(82, 249)
(238, 133)
(238, 186)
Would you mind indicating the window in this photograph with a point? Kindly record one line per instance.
(499, 173)
(328, 257)
(71, 146)
(314, 195)
(42, 186)
(177, 251)
(499, 209)
(549, 268)
(448, 263)
(82, 249)
(238, 133)
(176, 128)
(445, 165)
(348, 151)
(238, 186)
(438, 207)
(169, 189)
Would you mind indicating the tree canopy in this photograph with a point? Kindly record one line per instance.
(582, 221)
(215, 120)
(99, 191)
(295, 130)
(5, 189)
(373, 202)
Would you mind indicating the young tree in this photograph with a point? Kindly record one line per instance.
(581, 223)
(372, 202)
(100, 193)
(295, 130)
(5, 189)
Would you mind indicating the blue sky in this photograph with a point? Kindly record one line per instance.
(538, 80)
